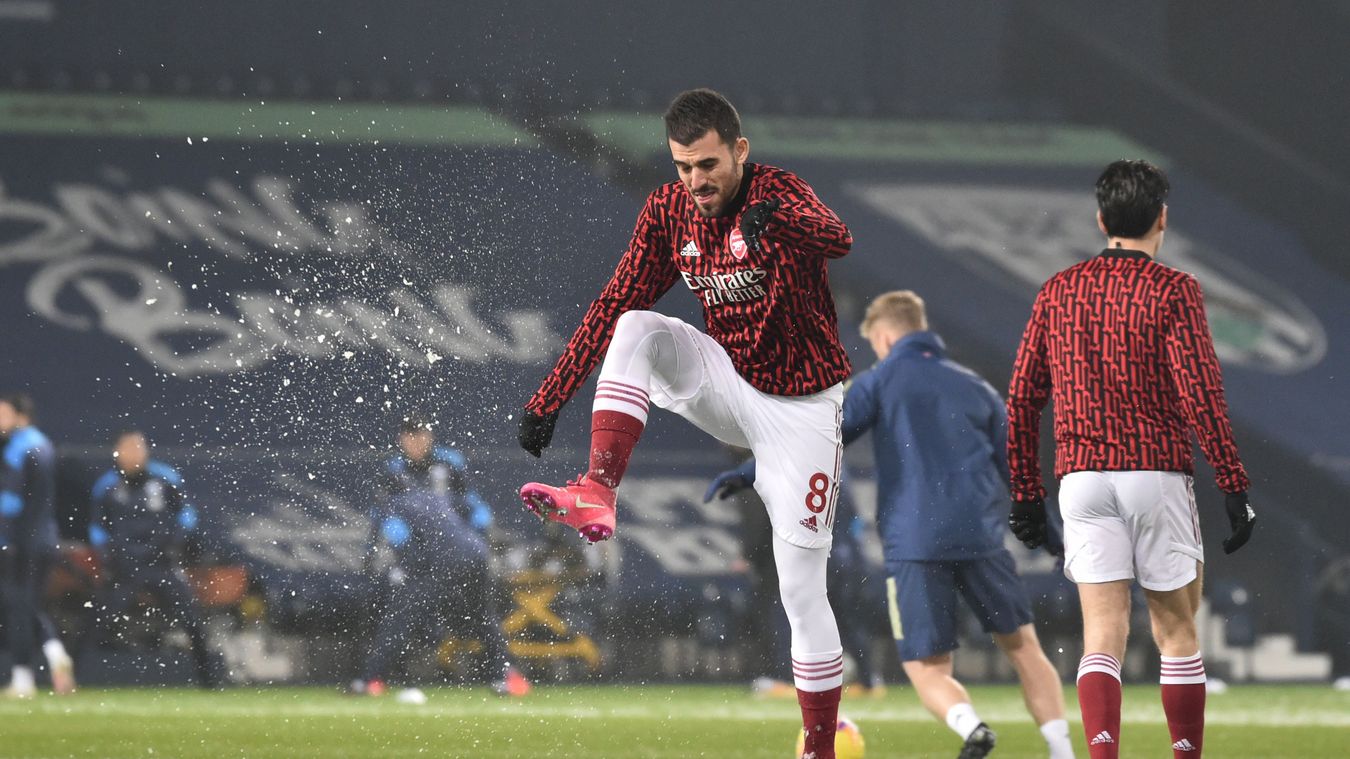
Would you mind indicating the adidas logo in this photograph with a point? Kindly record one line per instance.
(810, 523)
(1183, 745)
(690, 250)
(1102, 737)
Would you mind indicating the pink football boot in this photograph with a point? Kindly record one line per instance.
(584, 505)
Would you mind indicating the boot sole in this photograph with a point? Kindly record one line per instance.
(542, 505)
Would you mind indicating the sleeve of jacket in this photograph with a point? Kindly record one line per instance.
(98, 510)
(803, 222)
(998, 432)
(1028, 392)
(40, 490)
(643, 275)
(187, 516)
(1199, 383)
(860, 406)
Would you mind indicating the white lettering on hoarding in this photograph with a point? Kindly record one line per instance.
(89, 282)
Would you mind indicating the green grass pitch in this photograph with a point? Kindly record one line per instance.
(610, 722)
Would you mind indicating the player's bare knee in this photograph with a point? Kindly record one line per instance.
(924, 665)
(1175, 636)
(1018, 642)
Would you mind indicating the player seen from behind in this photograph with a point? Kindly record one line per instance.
(1121, 344)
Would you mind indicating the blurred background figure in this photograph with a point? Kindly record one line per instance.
(139, 524)
(856, 594)
(28, 536)
(766, 627)
(433, 525)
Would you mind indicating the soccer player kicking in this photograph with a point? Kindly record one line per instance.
(1122, 345)
(752, 242)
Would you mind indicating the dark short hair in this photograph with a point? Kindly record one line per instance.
(21, 402)
(1130, 195)
(415, 422)
(693, 112)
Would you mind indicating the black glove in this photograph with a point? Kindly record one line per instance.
(755, 220)
(1027, 520)
(536, 430)
(1241, 518)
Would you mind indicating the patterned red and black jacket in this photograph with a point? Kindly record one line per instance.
(771, 308)
(1121, 344)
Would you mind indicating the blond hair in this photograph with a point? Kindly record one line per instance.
(903, 308)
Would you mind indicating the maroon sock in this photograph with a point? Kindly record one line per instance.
(820, 718)
(1099, 702)
(613, 435)
(1183, 698)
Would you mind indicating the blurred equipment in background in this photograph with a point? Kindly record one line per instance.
(433, 525)
(28, 537)
(1333, 596)
(140, 522)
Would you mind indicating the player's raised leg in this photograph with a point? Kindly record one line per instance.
(649, 352)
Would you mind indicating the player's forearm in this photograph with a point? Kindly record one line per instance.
(815, 231)
(1024, 444)
(1214, 431)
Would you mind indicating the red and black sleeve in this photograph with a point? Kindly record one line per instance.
(644, 274)
(1028, 392)
(1195, 372)
(803, 221)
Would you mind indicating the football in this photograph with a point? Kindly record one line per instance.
(848, 740)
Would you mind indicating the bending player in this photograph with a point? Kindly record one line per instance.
(938, 431)
(1121, 344)
(752, 242)
(434, 523)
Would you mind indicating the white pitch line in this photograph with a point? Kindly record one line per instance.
(751, 712)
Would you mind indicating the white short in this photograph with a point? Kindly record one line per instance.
(797, 441)
(1131, 525)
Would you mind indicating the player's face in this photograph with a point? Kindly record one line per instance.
(131, 454)
(711, 170)
(9, 419)
(416, 445)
